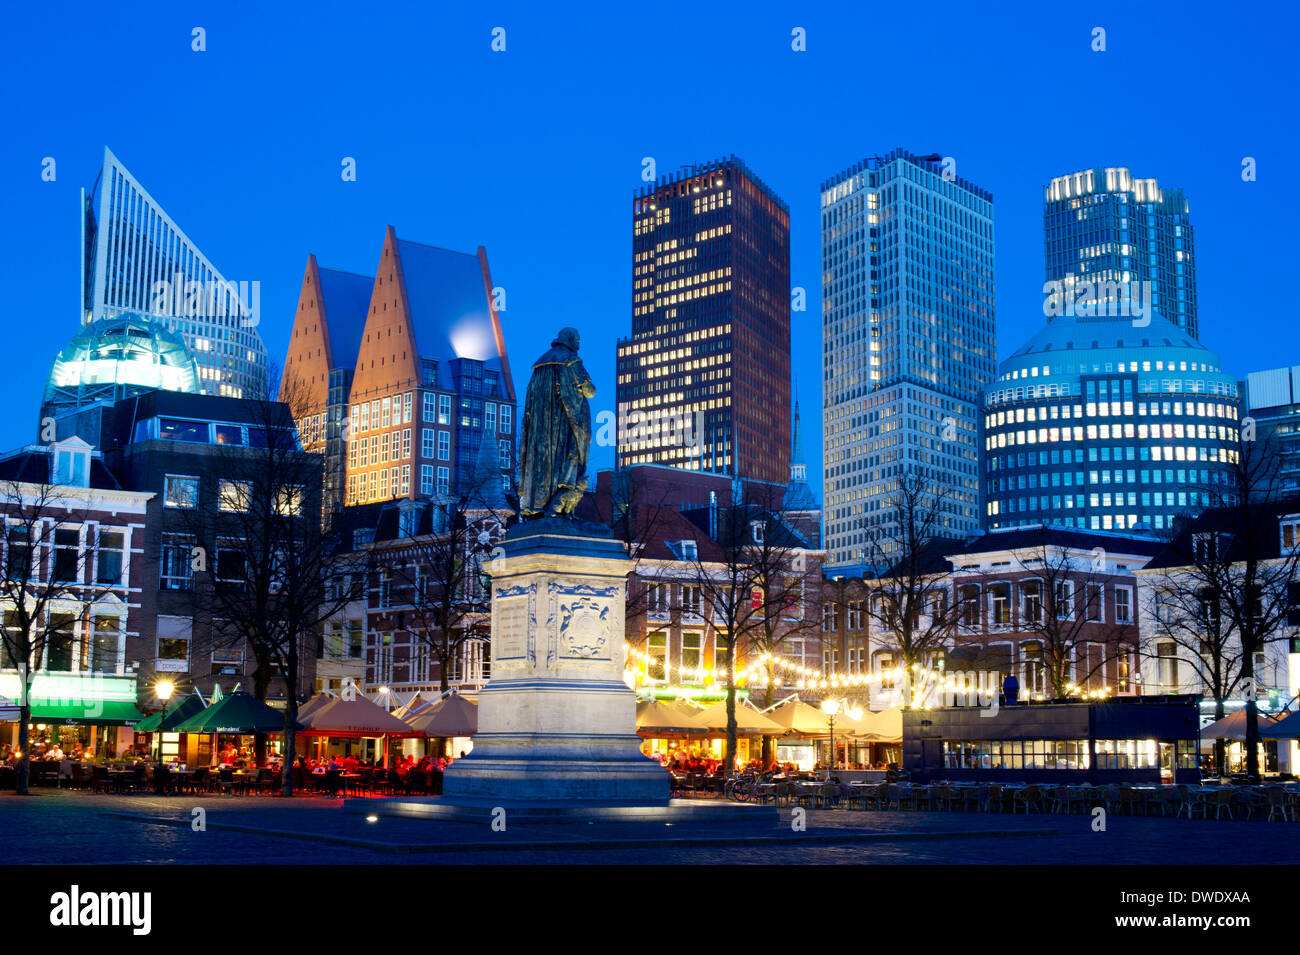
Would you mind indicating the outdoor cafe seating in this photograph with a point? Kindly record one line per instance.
(1271, 802)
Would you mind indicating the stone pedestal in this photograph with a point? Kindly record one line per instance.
(557, 722)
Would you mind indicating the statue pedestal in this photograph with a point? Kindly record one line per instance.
(556, 740)
(557, 721)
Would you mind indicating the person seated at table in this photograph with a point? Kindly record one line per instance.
(54, 754)
(351, 764)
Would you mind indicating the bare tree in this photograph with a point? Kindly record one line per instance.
(787, 606)
(909, 605)
(1229, 589)
(276, 568)
(638, 512)
(443, 595)
(1062, 607)
(727, 579)
(35, 514)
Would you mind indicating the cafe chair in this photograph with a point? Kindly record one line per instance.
(1223, 801)
(1278, 802)
(1030, 797)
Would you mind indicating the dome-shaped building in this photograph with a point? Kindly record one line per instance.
(115, 358)
(1106, 425)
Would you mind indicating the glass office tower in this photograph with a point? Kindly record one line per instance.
(1106, 228)
(138, 261)
(1106, 426)
(907, 343)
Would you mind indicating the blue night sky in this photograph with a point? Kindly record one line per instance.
(535, 153)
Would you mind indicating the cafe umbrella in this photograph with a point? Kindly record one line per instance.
(799, 718)
(170, 717)
(452, 717)
(657, 719)
(239, 713)
(1233, 727)
(353, 718)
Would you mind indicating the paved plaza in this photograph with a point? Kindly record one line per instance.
(62, 827)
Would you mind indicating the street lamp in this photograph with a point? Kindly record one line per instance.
(164, 690)
(830, 707)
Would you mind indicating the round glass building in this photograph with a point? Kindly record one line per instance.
(115, 358)
(1106, 425)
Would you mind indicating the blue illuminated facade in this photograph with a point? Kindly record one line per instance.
(1104, 425)
(1106, 226)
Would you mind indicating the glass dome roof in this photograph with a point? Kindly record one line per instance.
(114, 358)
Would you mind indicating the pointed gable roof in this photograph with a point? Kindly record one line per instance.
(326, 329)
(388, 357)
(450, 298)
(346, 296)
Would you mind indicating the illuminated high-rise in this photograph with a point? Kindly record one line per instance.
(704, 380)
(137, 261)
(1109, 229)
(907, 346)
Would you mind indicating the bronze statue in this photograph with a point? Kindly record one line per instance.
(556, 432)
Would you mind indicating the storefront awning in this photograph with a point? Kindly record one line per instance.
(99, 713)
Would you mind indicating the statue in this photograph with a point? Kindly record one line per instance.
(556, 432)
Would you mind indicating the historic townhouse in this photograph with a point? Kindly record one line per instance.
(77, 534)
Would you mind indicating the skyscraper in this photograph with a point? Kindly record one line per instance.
(137, 260)
(907, 343)
(704, 380)
(1104, 425)
(1104, 226)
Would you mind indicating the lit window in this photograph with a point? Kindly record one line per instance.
(234, 496)
(180, 491)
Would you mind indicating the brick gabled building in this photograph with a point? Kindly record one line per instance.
(670, 518)
(1019, 601)
(401, 376)
(319, 365)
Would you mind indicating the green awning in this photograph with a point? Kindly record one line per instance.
(175, 714)
(101, 713)
(240, 712)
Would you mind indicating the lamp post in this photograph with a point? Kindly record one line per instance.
(164, 691)
(830, 707)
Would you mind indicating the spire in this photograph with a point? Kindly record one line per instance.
(798, 496)
(798, 468)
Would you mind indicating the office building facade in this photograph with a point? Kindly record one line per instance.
(908, 302)
(136, 259)
(1272, 400)
(704, 379)
(1101, 425)
(1110, 232)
